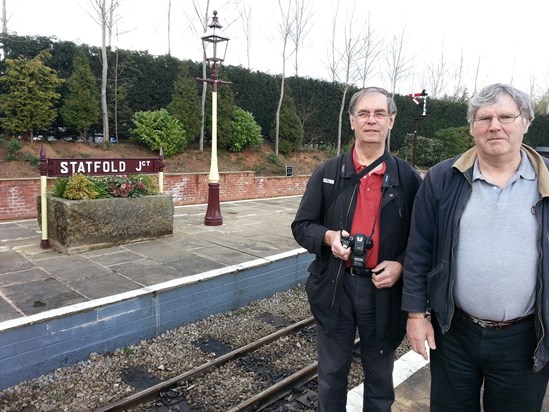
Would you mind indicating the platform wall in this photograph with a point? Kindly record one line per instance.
(38, 344)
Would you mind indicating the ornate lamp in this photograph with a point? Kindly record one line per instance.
(215, 44)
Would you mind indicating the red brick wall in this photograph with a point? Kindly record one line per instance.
(18, 196)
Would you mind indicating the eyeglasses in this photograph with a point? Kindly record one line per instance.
(503, 119)
(364, 116)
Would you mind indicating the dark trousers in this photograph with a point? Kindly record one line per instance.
(335, 353)
(468, 357)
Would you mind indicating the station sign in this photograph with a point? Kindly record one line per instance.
(96, 167)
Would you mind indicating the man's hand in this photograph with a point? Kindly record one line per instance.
(386, 274)
(332, 238)
(418, 331)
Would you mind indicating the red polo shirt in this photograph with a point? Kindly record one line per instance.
(368, 208)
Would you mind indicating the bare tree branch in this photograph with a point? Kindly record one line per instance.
(302, 27)
(285, 28)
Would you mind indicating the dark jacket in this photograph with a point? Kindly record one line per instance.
(429, 270)
(318, 212)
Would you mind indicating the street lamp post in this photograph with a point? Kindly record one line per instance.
(215, 44)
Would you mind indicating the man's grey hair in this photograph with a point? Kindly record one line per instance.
(490, 95)
(391, 106)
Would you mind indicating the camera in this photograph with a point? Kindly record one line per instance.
(359, 244)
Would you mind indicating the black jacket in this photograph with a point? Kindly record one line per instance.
(429, 271)
(318, 212)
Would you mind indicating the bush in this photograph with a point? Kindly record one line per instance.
(428, 151)
(245, 132)
(159, 129)
(285, 147)
(12, 149)
(79, 187)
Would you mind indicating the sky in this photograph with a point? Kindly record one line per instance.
(502, 40)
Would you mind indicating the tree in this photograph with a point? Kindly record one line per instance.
(203, 16)
(438, 73)
(398, 63)
(285, 27)
(169, 27)
(290, 127)
(344, 64)
(301, 28)
(4, 18)
(460, 91)
(456, 140)
(185, 105)
(81, 107)
(245, 11)
(104, 17)
(245, 131)
(370, 49)
(31, 95)
(159, 129)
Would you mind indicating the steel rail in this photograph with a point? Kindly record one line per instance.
(153, 392)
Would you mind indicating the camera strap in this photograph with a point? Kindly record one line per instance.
(356, 178)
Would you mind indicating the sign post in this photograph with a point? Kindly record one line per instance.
(416, 97)
(57, 167)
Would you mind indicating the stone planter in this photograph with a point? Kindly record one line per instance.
(76, 226)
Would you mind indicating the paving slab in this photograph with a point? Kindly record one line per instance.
(33, 279)
(39, 296)
(12, 262)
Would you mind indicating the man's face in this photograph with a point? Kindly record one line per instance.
(370, 120)
(494, 138)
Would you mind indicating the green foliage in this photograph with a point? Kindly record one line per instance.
(159, 129)
(428, 151)
(185, 104)
(81, 106)
(290, 128)
(28, 103)
(59, 186)
(146, 82)
(245, 131)
(456, 140)
(123, 186)
(273, 158)
(285, 147)
(32, 159)
(12, 149)
(79, 187)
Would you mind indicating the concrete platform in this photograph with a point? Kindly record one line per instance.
(35, 280)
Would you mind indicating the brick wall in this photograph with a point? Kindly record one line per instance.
(18, 196)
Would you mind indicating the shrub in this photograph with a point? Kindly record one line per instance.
(12, 149)
(79, 187)
(428, 151)
(156, 129)
(285, 147)
(245, 132)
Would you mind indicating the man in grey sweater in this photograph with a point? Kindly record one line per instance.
(478, 260)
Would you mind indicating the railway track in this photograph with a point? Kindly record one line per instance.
(168, 393)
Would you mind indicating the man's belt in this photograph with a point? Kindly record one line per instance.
(363, 273)
(491, 324)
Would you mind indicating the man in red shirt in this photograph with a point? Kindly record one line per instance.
(356, 282)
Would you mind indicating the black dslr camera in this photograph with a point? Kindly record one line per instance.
(359, 244)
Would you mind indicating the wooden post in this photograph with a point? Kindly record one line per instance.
(44, 241)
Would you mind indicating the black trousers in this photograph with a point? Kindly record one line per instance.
(468, 358)
(335, 353)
